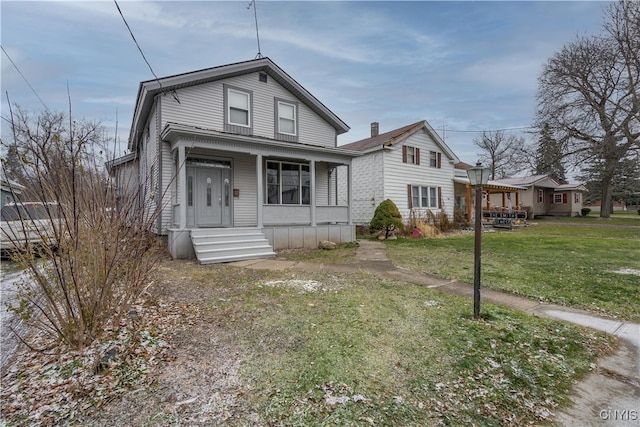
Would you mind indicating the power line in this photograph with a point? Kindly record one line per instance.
(490, 130)
(136, 42)
(24, 78)
(173, 92)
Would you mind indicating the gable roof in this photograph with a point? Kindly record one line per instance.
(390, 138)
(571, 187)
(527, 181)
(150, 88)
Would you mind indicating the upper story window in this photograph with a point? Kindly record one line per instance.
(286, 120)
(435, 159)
(237, 110)
(410, 155)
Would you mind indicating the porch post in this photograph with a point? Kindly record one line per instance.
(182, 186)
(349, 190)
(260, 190)
(312, 191)
(469, 203)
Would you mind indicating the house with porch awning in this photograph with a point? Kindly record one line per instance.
(238, 161)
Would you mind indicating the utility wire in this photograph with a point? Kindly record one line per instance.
(491, 130)
(24, 78)
(136, 42)
(173, 92)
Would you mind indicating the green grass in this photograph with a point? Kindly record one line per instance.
(343, 254)
(364, 350)
(570, 263)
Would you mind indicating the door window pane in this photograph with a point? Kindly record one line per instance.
(208, 192)
(227, 190)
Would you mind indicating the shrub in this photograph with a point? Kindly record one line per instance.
(386, 217)
(99, 262)
(585, 211)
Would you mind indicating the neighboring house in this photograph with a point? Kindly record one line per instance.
(497, 196)
(10, 191)
(411, 165)
(546, 196)
(125, 173)
(239, 160)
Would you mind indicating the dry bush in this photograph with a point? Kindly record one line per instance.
(429, 223)
(96, 261)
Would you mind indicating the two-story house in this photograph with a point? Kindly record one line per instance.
(411, 165)
(238, 160)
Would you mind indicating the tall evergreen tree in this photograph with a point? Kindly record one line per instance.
(549, 156)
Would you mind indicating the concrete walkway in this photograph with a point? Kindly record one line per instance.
(609, 396)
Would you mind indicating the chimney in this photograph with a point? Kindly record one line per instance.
(375, 129)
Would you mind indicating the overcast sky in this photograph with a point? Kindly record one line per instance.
(462, 66)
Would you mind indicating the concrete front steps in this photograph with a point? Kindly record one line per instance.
(216, 245)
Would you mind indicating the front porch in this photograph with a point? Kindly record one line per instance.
(288, 193)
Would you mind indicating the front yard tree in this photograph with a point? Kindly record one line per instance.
(589, 94)
(501, 153)
(386, 217)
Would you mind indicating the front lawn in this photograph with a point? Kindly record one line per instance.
(585, 262)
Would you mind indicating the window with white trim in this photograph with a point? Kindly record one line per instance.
(540, 196)
(238, 107)
(288, 183)
(287, 118)
(435, 159)
(424, 197)
(559, 198)
(238, 115)
(576, 197)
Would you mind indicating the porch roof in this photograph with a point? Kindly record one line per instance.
(492, 185)
(198, 137)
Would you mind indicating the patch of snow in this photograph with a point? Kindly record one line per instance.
(9, 321)
(333, 400)
(304, 285)
(628, 271)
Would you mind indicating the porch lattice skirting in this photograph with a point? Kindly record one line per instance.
(216, 245)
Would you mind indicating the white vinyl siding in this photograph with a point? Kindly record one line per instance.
(396, 179)
(149, 167)
(368, 186)
(202, 106)
(384, 175)
(245, 209)
(322, 186)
